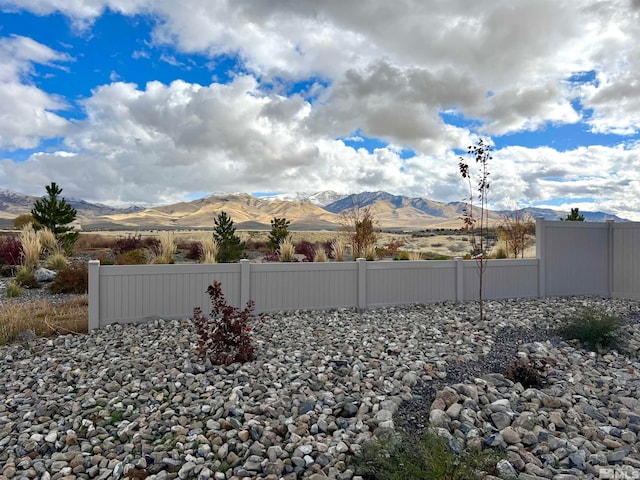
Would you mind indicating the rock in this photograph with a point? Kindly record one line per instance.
(43, 275)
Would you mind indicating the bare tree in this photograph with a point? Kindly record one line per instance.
(477, 222)
(516, 229)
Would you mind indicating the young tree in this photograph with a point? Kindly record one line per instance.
(574, 216)
(229, 244)
(54, 213)
(279, 231)
(477, 223)
(359, 225)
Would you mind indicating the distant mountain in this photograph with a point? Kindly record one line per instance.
(549, 214)
(321, 210)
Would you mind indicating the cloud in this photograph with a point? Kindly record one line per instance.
(28, 112)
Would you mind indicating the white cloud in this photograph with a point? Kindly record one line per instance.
(28, 112)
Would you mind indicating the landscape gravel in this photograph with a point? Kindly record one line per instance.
(137, 402)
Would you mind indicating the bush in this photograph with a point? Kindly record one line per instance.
(307, 249)
(56, 261)
(25, 277)
(132, 257)
(194, 251)
(128, 244)
(22, 220)
(224, 336)
(10, 251)
(31, 247)
(167, 249)
(72, 279)
(392, 457)
(287, 251)
(593, 329)
(14, 290)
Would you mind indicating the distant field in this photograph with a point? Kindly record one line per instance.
(450, 243)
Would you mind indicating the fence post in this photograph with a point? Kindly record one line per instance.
(245, 282)
(610, 252)
(362, 283)
(459, 279)
(94, 295)
(541, 256)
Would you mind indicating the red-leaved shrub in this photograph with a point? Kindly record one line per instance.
(10, 251)
(224, 336)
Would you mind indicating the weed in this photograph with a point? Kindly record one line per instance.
(14, 290)
(224, 336)
(593, 329)
(43, 318)
(392, 457)
(10, 251)
(73, 278)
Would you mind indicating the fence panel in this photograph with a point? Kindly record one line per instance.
(626, 261)
(407, 282)
(312, 286)
(575, 259)
(137, 292)
(502, 279)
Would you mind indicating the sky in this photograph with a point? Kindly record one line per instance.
(157, 101)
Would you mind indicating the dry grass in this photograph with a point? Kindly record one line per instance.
(209, 248)
(43, 318)
(287, 250)
(320, 255)
(338, 248)
(167, 249)
(47, 239)
(94, 241)
(31, 246)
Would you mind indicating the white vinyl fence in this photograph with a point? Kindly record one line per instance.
(573, 258)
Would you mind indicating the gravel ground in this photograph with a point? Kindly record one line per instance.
(136, 401)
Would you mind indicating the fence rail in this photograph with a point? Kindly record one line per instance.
(573, 258)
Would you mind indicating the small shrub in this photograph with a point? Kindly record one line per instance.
(194, 251)
(413, 255)
(528, 374)
(593, 329)
(56, 261)
(305, 248)
(21, 220)
(14, 290)
(132, 257)
(393, 457)
(370, 252)
(10, 251)
(338, 249)
(402, 256)
(128, 243)
(224, 336)
(287, 251)
(320, 254)
(271, 257)
(72, 279)
(500, 252)
(25, 277)
(167, 252)
(47, 239)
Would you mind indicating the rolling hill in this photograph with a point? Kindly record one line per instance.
(322, 210)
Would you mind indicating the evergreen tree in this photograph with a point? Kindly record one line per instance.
(574, 216)
(229, 244)
(279, 231)
(53, 212)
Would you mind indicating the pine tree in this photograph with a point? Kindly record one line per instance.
(279, 231)
(574, 216)
(55, 213)
(229, 244)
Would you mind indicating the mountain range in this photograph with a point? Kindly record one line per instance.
(321, 210)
